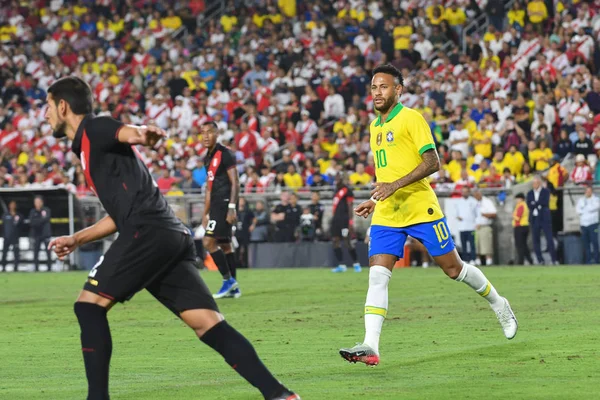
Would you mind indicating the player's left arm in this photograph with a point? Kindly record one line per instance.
(421, 135)
(229, 163)
(232, 173)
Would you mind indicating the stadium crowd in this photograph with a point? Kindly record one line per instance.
(288, 84)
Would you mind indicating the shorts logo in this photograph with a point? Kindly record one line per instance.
(389, 136)
(444, 245)
(95, 269)
(92, 282)
(379, 139)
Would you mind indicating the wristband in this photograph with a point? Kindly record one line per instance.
(232, 206)
(373, 199)
(351, 222)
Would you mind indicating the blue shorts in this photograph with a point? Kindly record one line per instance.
(435, 236)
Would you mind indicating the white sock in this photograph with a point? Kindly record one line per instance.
(473, 277)
(376, 304)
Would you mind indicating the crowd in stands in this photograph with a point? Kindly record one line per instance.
(288, 83)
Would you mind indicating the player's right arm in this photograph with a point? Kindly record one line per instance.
(146, 135)
(65, 245)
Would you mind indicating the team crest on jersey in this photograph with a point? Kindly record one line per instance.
(379, 139)
(389, 136)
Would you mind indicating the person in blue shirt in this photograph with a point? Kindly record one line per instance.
(199, 173)
(88, 26)
(208, 75)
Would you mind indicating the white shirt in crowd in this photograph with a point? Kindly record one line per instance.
(485, 206)
(466, 210)
(588, 209)
(459, 135)
(334, 106)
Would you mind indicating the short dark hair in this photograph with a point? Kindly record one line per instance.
(211, 123)
(520, 196)
(75, 91)
(390, 70)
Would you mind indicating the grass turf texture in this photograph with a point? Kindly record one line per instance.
(441, 341)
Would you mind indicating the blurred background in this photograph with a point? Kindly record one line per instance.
(509, 88)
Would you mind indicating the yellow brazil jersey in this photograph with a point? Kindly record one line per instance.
(454, 169)
(359, 179)
(537, 11)
(455, 18)
(516, 16)
(514, 162)
(471, 127)
(540, 159)
(228, 22)
(397, 145)
(485, 149)
(293, 181)
(500, 166)
(347, 128)
(402, 37)
(288, 7)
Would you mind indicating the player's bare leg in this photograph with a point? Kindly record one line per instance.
(212, 329)
(460, 271)
(376, 305)
(96, 341)
(232, 263)
(218, 255)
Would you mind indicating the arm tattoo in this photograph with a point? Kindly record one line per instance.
(432, 161)
(430, 165)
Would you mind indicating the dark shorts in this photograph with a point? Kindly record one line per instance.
(339, 227)
(217, 226)
(159, 260)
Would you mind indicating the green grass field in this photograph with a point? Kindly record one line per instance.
(441, 341)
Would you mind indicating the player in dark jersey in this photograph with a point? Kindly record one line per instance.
(342, 224)
(153, 250)
(222, 189)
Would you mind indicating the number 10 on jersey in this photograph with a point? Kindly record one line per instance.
(441, 231)
(380, 158)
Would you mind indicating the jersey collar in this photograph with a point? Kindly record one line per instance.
(394, 112)
(76, 145)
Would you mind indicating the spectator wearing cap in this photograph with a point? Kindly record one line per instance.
(582, 173)
(540, 219)
(588, 209)
(520, 223)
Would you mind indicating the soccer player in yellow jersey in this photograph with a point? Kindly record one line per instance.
(404, 204)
